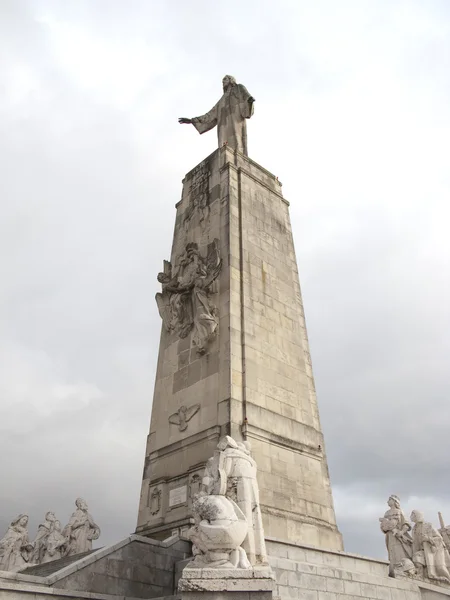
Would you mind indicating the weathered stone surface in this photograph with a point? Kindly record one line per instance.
(135, 567)
(228, 530)
(429, 554)
(396, 529)
(185, 301)
(229, 114)
(81, 529)
(15, 548)
(302, 572)
(255, 381)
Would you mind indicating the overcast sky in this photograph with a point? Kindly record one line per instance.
(352, 114)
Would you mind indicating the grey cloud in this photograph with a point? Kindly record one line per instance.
(351, 114)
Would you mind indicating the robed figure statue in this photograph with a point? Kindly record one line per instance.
(396, 528)
(81, 529)
(229, 114)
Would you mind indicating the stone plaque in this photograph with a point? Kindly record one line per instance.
(178, 495)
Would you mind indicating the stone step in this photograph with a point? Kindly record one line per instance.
(55, 565)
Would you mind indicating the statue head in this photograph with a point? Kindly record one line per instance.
(81, 504)
(417, 516)
(50, 516)
(393, 501)
(57, 525)
(228, 81)
(21, 521)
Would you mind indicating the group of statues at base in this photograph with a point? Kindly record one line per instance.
(228, 531)
(51, 542)
(418, 551)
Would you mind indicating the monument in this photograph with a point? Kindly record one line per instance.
(234, 355)
(236, 501)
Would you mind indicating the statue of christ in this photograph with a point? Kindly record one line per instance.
(229, 115)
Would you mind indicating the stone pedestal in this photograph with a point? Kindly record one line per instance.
(253, 378)
(232, 584)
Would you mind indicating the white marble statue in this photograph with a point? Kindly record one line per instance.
(56, 545)
(15, 548)
(430, 556)
(81, 529)
(237, 471)
(40, 541)
(444, 531)
(229, 487)
(219, 531)
(396, 530)
(229, 114)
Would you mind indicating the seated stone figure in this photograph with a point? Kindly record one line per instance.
(430, 556)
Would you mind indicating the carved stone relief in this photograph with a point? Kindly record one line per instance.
(198, 195)
(195, 484)
(183, 416)
(185, 301)
(155, 501)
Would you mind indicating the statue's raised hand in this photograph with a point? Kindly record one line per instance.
(184, 121)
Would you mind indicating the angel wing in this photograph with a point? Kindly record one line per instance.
(165, 311)
(174, 419)
(190, 412)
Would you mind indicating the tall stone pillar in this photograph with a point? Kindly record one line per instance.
(234, 358)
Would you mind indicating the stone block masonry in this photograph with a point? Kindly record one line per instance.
(246, 363)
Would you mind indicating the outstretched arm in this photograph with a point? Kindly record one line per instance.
(204, 122)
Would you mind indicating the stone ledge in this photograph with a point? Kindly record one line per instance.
(208, 573)
(226, 585)
(319, 550)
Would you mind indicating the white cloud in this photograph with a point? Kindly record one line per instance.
(352, 113)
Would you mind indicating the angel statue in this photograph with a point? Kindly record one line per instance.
(184, 303)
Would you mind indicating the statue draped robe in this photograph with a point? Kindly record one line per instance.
(238, 470)
(229, 114)
(398, 541)
(429, 545)
(80, 532)
(14, 552)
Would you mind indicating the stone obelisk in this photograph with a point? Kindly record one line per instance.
(234, 356)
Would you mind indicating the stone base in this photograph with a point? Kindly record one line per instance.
(142, 568)
(234, 584)
(308, 573)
